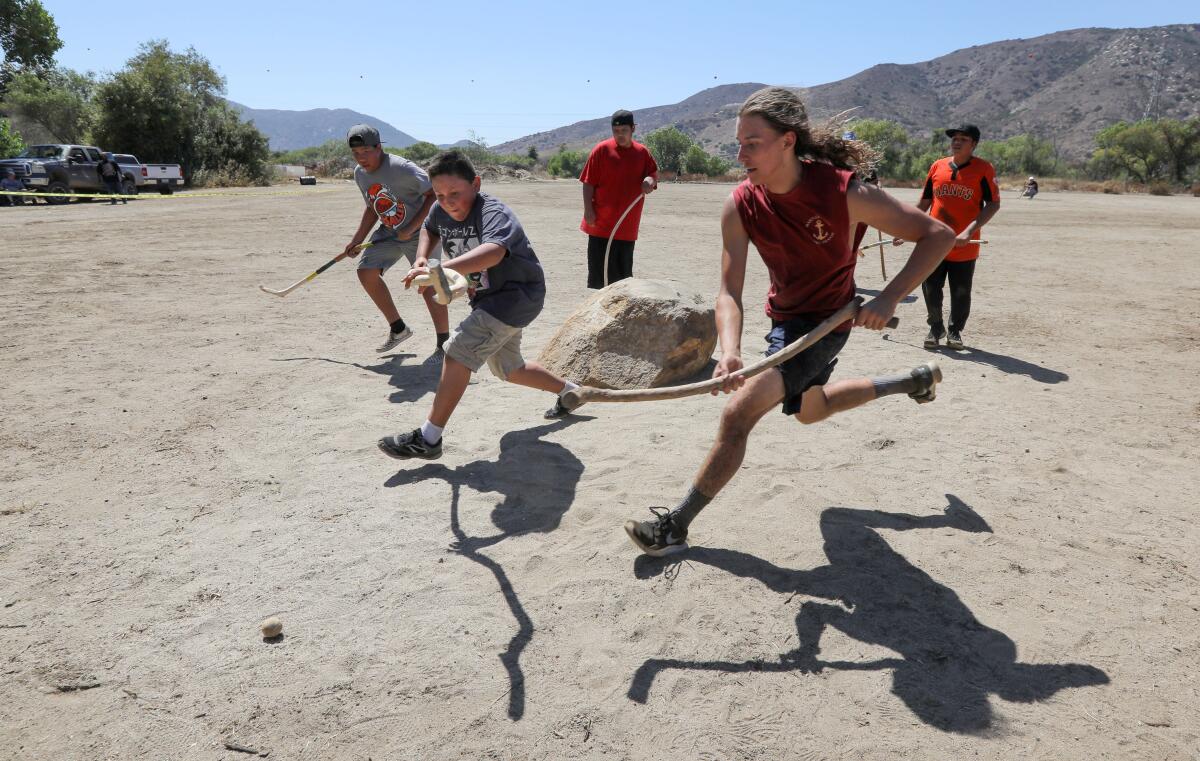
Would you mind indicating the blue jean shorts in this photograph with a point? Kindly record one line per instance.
(811, 367)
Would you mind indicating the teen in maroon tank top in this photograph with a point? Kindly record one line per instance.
(803, 236)
(798, 206)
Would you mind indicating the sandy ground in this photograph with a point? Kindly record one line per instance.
(1009, 572)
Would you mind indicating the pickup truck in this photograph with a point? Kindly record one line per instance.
(164, 177)
(68, 168)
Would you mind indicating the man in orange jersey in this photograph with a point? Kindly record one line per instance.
(961, 191)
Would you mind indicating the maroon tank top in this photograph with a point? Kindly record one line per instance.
(803, 237)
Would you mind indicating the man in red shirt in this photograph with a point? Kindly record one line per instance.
(799, 206)
(961, 191)
(617, 172)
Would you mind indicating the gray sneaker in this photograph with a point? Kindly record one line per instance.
(559, 410)
(394, 340)
(954, 340)
(933, 338)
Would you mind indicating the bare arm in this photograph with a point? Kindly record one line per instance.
(933, 238)
(412, 228)
(735, 244)
(369, 218)
(988, 211)
(426, 244)
(589, 210)
(476, 260)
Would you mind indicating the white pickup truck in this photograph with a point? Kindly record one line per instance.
(164, 177)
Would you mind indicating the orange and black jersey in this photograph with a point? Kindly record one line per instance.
(958, 193)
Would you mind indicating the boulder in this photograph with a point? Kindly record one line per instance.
(635, 334)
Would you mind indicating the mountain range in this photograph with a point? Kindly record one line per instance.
(1062, 87)
(287, 130)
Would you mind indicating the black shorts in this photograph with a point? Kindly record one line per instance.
(811, 367)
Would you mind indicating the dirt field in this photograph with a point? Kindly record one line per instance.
(1009, 572)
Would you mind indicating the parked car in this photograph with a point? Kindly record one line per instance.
(58, 168)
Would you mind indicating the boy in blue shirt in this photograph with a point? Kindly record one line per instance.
(483, 242)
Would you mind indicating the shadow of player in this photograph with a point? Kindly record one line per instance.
(411, 381)
(537, 479)
(949, 662)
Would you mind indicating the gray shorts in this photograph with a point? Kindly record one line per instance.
(482, 338)
(387, 252)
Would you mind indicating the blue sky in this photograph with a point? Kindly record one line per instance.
(437, 70)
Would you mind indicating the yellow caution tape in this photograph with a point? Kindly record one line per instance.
(149, 195)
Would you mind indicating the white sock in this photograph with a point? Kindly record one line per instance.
(568, 386)
(431, 433)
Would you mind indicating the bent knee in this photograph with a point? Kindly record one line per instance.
(814, 407)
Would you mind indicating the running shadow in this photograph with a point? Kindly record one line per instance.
(950, 662)
(537, 479)
(1006, 364)
(411, 381)
(910, 298)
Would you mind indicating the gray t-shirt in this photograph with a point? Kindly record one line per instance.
(395, 190)
(513, 290)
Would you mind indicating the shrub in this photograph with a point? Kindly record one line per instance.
(566, 163)
(1159, 189)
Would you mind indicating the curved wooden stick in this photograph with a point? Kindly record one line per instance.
(604, 272)
(583, 394)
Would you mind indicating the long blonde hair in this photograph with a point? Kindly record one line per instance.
(785, 112)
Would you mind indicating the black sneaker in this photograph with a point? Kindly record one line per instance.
(405, 446)
(933, 338)
(927, 376)
(559, 410)
(954, 340)
(658, 537)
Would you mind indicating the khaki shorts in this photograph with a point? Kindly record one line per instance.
(385, 253)
(481, 339)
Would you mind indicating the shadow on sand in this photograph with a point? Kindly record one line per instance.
(410, 381)
(950, 662)
(537, 479)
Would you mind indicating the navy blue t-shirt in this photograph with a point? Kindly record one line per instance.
(512, 290)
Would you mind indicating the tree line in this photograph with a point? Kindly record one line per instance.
(163, 106)
(1146, 152)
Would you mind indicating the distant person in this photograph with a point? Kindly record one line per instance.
(110, 175)
(1031, 188)
(11, 183)
(618, 170)
(398, 196)
(961, 191)
(507, 289)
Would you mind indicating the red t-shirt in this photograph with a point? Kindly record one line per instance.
(803, 237)
(958, 193)
(616, 174)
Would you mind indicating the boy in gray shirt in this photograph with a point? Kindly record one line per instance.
(398, 196)
(483, 240)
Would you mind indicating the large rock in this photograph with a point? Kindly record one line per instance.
(634, 334)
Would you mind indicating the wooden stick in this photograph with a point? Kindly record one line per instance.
(583, 394)
(882, 265)
(890, 240)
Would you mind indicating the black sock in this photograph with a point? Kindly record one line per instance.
(689, 508)
(398, 326)
(442, 338)
(895, 384)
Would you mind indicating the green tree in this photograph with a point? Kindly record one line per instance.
(668, 145)
(10, 142)
(60, 100)
(28, 38)
(566, 163)
(167, 107)
(889, 139)
(1137, 149)
(1181, 141)
(420, 151)
(532, 153)
(698, 161)
(1021, 154)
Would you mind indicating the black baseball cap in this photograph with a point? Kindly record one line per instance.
(362, 135)
(970, 130)
(622, 118)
